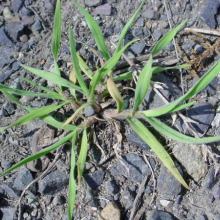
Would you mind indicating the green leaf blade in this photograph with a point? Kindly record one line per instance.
(56, 30)
(95, 30)
(143, 83)
(158, 149)
(38, 154)
(166, 39)
(76, 63)
(201, 84)
(72, 183)
(82, 156)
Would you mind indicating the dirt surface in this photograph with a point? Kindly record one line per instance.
(106, 181)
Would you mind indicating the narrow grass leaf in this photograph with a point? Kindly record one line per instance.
(181, 107)
(56, 30)
(143, 83)
(84, 67)
(76, 63)
(76, 113)
(109, 65)
(57, 80)
(166, 39)
(38, 154)
(26, 93)
(177, 136)
(123, 76)
(42, 87)
(159, 150)
(127, 26)
(201, 84)
(113, 90)
(82, 156)
(36, 113)
(95, 30)
(47, 119)
(161, 69)
(57, 72)
(72, 183)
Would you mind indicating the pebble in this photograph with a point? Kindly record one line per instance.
(7, 14)
(160, 215)
(6, 213)
(191, 157)
(105, 9)
(53, 182)
(149, 14)
(14, 29)
(36, 26)
(109, 31)
(209, 11)
(137, 167)
(93, 3)
(167, 184)
(22, 179)
(16, 5)
(6, 56)
(16, 66)
(59, 200)
(204, 114)
(49, 6)
(4, 40)
(199, 49)
(110, 212)
(112, 188)
(137, 32)
(95, 179)
(5, 164)
(26, 12)
(5, 75)
(136, 140)
(89, 111)
(157, 34)
(140, 22)
(138, 48)
(9, 108)
(9, 190)
(126, 199)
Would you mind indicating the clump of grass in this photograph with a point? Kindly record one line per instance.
(84, 81)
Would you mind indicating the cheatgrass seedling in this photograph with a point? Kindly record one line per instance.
(84, 81)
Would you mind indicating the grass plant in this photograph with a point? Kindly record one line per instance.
(84, 81)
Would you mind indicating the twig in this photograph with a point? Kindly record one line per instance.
(140, 192)
(154, 179)
(42, 175)
(203, 31)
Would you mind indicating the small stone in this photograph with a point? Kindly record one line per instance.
(209, 11)
(137, 32)
(4, 40)
(108, 31)
(14, 29)
(89, 111)
(6, 56)
(26, 20)
(199, 49)
(110, 212)
(49, 6)
(127, 199)
(16, 66)
(93, 3)
(36, 26)
(136, 140)
(5, 164)
(22, 179)
(112, 188)
(136, 166)
(105, 9)
(216, 192)
(26, 12)
(59, 200)
(9, 108)
(191, 157)
(167, 183)
(149, 14)
(53, 183)
(160, 215)
(138, 48)
(16, 5)
(23, 38)
(164, 202)
(157, 34)
(7, 14)
(6, 213)
(95, 179)
(9, 190)
(140, 22)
